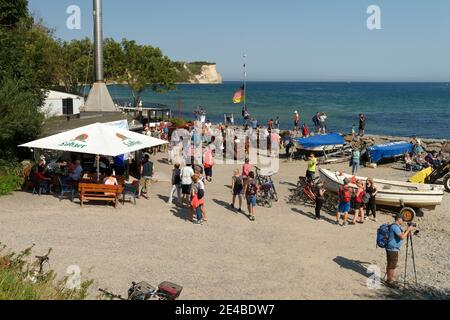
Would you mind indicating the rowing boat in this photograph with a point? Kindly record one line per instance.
(390, 193)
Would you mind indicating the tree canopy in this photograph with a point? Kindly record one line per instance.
(27, 69)
(144, 66)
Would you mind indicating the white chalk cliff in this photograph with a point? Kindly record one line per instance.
(209, 74)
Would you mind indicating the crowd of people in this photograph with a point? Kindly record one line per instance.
(46, 175)
(355, 200)
(419, 159)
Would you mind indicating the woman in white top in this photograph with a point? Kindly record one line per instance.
(186, 182)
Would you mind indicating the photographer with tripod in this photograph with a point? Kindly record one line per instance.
(395, 241)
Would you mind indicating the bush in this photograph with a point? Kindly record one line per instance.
(20, 280)
(10, 177)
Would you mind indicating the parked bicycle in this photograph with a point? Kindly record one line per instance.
(305, 194)
(145, 291)
(267, 191)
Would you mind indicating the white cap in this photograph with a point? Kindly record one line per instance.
(42, 157)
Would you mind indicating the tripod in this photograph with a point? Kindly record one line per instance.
(408, 242)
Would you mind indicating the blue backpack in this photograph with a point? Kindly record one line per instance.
(383, 235)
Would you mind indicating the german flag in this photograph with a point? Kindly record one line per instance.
(239, 96)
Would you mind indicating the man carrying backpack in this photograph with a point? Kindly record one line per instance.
(394, 242)
(146, 171)
(345, 196)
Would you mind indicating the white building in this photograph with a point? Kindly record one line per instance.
(62, 104)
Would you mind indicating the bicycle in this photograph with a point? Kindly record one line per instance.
(40, 274)
(305, 191)
(166, 291)
(267, 193)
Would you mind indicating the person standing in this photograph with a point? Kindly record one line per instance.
(356, 158)
(251, 190)
(186, 175)
(296, 120)
(322, 125)
(362, 124)
(198, 198)
(312, 165)
(372, 191)
(395, 241)
(358, 206)
(345, 196)
(237, 186)
(246, 168)
(176, 183)
(316, 122)
(320, 199)
(209, 162)
(254, 123)
(146, 172)
(277, 123)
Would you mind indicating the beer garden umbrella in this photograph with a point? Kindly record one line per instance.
(98, 139)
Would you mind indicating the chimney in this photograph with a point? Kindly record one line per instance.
(99, 98)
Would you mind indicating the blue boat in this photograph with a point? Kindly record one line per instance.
(320, 143)
(389, 151)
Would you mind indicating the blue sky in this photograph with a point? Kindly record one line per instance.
(307, 40)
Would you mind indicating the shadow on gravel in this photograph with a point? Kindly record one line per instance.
(288, 184)
(354, 265)
(420, 292)
(313, 216)
(227, 206)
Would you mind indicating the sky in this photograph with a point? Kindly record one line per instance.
(285, 40)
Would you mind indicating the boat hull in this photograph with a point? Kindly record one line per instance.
(391, 193)
(327, 148)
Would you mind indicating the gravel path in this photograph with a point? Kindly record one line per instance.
(284, 254)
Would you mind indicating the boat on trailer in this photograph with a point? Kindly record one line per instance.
(320, 143)
(394, 194)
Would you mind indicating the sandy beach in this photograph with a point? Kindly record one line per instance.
(284, 254)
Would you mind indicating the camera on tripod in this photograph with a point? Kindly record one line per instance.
(414, 225)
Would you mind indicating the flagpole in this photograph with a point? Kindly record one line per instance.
(244, 57)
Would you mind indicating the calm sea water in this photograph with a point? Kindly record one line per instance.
(403, 109)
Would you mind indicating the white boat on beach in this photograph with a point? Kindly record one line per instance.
(391, 193)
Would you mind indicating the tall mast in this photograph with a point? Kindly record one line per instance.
(244, 57)
(98, 40)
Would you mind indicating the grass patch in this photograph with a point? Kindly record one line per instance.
(20, 279)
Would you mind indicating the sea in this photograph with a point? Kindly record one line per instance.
(397, 109)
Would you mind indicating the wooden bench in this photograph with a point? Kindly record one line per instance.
(99, 192)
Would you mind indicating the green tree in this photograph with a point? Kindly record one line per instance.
(113, 61)
(13, 12)
(28, 64)
(146, 67)
(20, 117)
(76, 65)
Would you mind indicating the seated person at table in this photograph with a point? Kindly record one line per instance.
(41, 165)
(38, 177)
(110, 179)
(75, 175)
